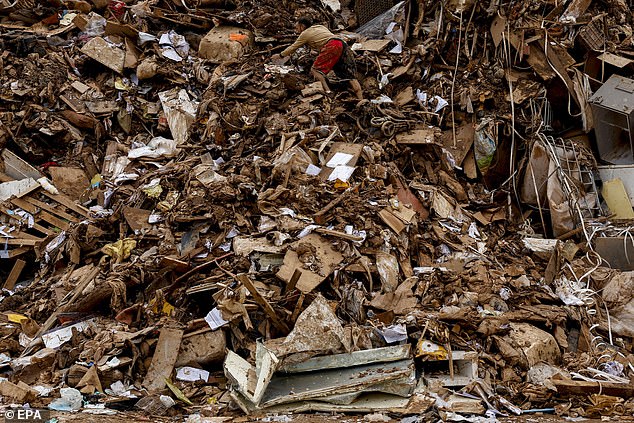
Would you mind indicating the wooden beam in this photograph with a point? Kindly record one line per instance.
(67, 202)
(293, 282)
(15, 252)
(268, 309)
(298, 307)
(54, 210)
(20, 241)
(164, 359)
(581, 387)
(14, 275)
(41, 214)
(36, 225)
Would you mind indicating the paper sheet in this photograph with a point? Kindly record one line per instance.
(214, 319)
(343, 173)
(339, 159)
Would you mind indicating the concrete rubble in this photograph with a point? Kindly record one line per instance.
(192, 230)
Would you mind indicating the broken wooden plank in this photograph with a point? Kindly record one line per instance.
(53, 210)
(17, 188)
(41, 214)
(581, 387)
(164, 359)
(67, 202)
(20, 241)
(298, 307)
(36, 226)
(268, 309)
(293, 282)
(8, 254)
(15, 274)
(16, 168)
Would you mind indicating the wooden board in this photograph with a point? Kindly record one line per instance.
(15, 274)
(580, 387)
(67, 202)
(164, 359)
(417, 136)
(41, 214)
(52, 209)
(374, 46)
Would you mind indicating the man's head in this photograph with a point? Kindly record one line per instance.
(303, 23)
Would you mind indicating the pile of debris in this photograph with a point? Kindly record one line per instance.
(191, 229)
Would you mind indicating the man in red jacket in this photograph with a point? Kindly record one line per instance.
(334, 54)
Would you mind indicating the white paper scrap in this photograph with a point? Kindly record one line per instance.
(339, 159)
(395, 333)
(313, 170)
(192, 374)
(214, 319)
(60, 336)
(343, 173)
(442, 103)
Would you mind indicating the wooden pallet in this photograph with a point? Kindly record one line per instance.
(51, 215)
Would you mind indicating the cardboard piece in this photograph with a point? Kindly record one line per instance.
(137, 219)
(615, 60)
(617, 251)
(323, 256)
(339, 149)
(20, 393)
(464, 141)
(374, 46)
(71, 181)
(90, 382)
(105, 53)
(202, 347)
(391, 220)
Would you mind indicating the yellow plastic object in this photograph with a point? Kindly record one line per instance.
(339, 184)
(428, 349)
(119, 250)
(16, 318)
(617, 199)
